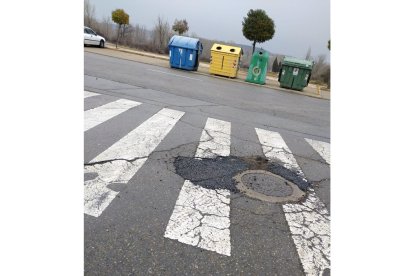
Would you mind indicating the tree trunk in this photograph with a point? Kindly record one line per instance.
(117, 38)
(254, 46)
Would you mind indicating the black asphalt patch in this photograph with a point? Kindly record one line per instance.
(289, 175)
(218, 173)
(210, 173)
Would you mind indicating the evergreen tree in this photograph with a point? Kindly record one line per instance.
(120, 17)
(258, 27)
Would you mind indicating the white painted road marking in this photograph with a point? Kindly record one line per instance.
(322, 148)
(171, 74)
(215, 139)
(96, 116)
(309, 222)
(274, 147)
(201, 217)
(120, 162)
(89, 94)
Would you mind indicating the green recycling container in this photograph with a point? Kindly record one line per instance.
(295, 73)
(258, 67)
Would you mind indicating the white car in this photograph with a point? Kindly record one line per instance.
(91, 38)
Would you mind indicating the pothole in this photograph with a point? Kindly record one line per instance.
(265, 180)
(267, 186)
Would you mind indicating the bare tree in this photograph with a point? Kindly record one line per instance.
(140, 35)
(308, 54)
(245, 60)
(125, 30)
(321, 70)
(276, 65)
(106, 27)
(318, 65)
(161, 34)
(127, 34)
(207, 44)
(326, 76)
(89, 14)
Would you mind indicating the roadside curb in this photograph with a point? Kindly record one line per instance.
(140, 53)
(201, 73)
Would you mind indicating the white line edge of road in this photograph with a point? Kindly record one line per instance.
(167, 73)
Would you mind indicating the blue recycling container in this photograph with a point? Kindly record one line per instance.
(184, 52)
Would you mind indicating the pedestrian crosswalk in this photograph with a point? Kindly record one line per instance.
(201, 217)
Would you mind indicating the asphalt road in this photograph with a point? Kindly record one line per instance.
(161, 149)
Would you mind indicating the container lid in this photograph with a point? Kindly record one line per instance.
(297, 62)
(226, 49)
(185, 42)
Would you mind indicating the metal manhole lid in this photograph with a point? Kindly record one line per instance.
(267, 186)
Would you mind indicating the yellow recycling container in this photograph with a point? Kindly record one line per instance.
(225, 60)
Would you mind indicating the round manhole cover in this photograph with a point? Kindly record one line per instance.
(267, 186)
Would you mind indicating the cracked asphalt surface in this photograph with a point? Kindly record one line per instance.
(128, 238)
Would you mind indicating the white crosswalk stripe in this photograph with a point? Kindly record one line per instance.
(88, 94)
(96, 116)
(322, 148)
(201, 217)
(120, 162)
(309, 222)
(215, 139)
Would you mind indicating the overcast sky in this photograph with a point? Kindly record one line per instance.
(300, 24)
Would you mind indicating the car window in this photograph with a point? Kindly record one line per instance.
(89, 31)
(85, 31)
